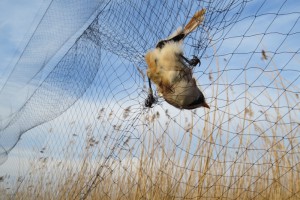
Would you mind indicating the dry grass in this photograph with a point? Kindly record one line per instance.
(234, 157)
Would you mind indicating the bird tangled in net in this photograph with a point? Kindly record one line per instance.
(171, 71)
(82, 77)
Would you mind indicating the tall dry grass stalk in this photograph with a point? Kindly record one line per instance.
(225, 157)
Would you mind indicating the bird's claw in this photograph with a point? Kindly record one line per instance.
(150, 100)
(194, 61)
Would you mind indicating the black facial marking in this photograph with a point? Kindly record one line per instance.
(176, 38)
(161, 44)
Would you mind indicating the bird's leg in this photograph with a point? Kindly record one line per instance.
(193, 62)
(150, 99)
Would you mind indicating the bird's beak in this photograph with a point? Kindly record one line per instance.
(205, 105)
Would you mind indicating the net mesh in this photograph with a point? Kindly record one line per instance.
(82, 81)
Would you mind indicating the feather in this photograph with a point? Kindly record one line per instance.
(196, 20)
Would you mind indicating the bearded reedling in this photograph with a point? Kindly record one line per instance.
(171, 72)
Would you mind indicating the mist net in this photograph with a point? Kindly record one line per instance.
(83, 72)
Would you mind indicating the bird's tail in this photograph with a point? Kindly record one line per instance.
(196, 20)
(180, 33)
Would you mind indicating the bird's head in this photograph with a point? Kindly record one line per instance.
(200, 102)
